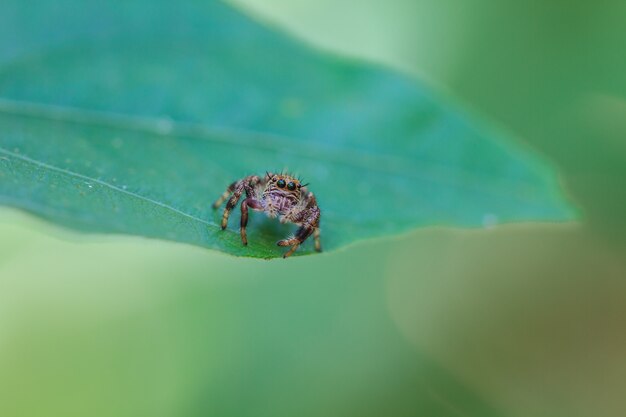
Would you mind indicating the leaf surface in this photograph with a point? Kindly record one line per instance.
(132, 117)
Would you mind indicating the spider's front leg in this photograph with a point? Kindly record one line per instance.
(311, 203)
(301, 235)
(237, 188)
(310, 220)
(255, 205)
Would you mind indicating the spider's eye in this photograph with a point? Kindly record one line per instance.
(281, 183)
(291, 186)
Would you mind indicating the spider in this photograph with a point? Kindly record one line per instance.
(278, 195)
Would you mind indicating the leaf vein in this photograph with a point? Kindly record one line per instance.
(105, 184)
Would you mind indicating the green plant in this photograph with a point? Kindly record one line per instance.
(130, 119)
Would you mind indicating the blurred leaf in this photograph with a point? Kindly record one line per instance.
(131, 117)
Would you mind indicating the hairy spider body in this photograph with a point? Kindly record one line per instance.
(278, 195)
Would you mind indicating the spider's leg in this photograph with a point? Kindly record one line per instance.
(225, 195)
(247, 184)
(232, 202)
(311, 204)
(301, 235)
(255, 205)
(309, 219)
(290, 251)
(316, 237)
(311, 201)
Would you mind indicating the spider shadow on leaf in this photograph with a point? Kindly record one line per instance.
(259, 226)
(264, 227)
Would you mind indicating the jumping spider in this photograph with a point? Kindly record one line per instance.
(278, 195)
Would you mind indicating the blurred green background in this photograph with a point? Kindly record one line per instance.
(523, 320)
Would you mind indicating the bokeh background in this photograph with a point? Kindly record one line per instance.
(520, 320)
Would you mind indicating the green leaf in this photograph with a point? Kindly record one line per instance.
(132, 117)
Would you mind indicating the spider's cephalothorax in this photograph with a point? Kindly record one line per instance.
(278, 195)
